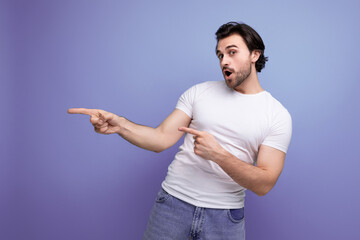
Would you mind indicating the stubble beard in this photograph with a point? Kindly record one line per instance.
(241, 76)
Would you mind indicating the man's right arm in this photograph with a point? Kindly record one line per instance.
(153, 139)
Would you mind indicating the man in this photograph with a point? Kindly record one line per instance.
(236, 138)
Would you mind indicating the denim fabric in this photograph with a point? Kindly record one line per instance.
(173, 219)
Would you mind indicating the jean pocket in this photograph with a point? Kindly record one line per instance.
(162, 196)
(236, 215)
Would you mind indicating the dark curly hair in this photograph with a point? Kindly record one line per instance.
(251, 37)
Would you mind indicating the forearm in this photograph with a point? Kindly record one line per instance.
(249, 176)
(154, 139)
(142, 136)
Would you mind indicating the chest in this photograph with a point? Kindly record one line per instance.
(243, 122)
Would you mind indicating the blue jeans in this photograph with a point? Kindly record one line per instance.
(173, 219)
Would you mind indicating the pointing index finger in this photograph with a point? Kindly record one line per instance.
(190, 130)
(85, 111)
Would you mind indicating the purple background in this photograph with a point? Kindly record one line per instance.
(60, 180)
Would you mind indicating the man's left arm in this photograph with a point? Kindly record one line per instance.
(260, 179)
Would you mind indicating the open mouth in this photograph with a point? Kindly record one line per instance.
(228, 73)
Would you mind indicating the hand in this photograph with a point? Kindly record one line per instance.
(205, 144)
(103, 122)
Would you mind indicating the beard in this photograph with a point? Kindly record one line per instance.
(239, 77)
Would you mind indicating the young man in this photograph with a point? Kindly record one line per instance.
(236, 138)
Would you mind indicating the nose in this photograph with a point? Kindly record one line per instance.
(225, 61)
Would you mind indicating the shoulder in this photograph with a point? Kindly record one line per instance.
(208, 84)
(200, 88)
(275, 104)
(280, 125)
(277, 110)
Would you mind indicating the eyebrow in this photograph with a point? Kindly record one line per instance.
(230, 46)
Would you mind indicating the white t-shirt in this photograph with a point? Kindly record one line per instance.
(240, 123)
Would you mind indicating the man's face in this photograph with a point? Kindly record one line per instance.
(235, 60)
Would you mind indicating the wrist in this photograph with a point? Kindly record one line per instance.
(122, 126)
(221, 156)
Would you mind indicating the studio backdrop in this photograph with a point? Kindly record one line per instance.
(61, 180)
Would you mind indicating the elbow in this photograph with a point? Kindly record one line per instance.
(160, 145)
(158, 150)
(263, 191)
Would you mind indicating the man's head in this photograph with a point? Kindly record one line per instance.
(239, 49)
(251, 38)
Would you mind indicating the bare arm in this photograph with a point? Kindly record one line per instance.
(159, 138)
(260, 179)
(153, 139)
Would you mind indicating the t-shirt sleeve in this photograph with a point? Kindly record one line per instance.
(280, 132)
(186, 101)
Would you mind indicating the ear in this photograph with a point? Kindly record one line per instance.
(255, 54)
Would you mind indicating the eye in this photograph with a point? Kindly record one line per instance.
(232, 52)
(220, 56)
